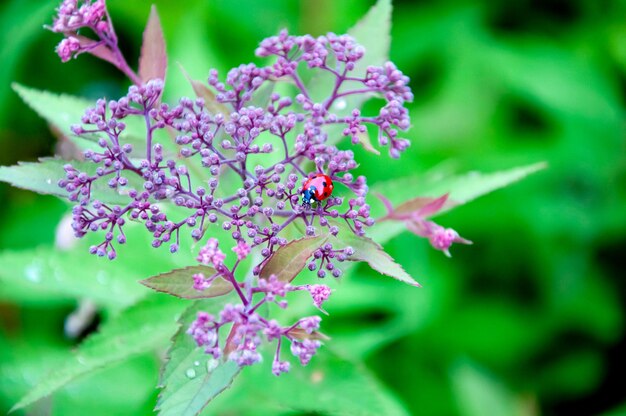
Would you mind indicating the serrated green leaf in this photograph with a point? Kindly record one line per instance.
(290, 259)
(179, 283)
(43, 177)
(63, 111)
(143, 327)
(191, 378)
(369, 251)
(60, 110)
(461, 189)
(466, 188)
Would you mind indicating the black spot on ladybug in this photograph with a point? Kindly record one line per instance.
(324, 184)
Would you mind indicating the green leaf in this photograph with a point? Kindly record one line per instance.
(153, 59)
(466, 188)
(53, 274)
(63, 111)
(369, 251)
(478, 393)
(291, 258)
(191, 378)
(179, 283)
(60, 110)
(329, 385)
(373, 31)
(461, 189)
(43, 177)
(143, 327)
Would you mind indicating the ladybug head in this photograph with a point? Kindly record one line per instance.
(308, 196)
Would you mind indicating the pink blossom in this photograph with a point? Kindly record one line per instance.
(242, 249)
(201, 283)
(67, 48)
(211, 254)
(319, 293)
(310, 324)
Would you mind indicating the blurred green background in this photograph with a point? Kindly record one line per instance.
(529, 320)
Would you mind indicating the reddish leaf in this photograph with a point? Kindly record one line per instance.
(179, 283)
(153, 60)
(291, 258)
(99, 51)
(300, 333)
(230, 346)
(424, 206)
(210, 102)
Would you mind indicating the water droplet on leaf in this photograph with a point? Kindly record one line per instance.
(211, 364)
(190, 373)
(340, 104)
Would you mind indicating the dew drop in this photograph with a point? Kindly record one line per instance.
(33, 272)
(340, 104)
(211, 364)
(102, 277)
(190, 373)
(196, 363)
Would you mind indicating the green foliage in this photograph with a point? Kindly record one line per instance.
(45, 274)
(461, 189)
(330, 385)
(525, 321)
(61, 110)
(369, 251)
(141, 328)
(43, 177)
(190, 379)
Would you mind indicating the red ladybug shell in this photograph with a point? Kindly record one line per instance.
(323, 186)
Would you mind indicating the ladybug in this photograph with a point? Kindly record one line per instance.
(317, 188)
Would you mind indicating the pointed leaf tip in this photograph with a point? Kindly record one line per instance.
(203, 91)
(364, 140)
(369, 251)
(153, 59)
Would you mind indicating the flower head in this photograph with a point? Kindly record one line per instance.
(68, 48)
(210, 254)
(217, 174)
(319, 293)
(242, 249)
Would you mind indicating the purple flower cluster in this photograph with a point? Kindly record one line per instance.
(267, 200)
(77, 16)
(237, 162)
(247, 328)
